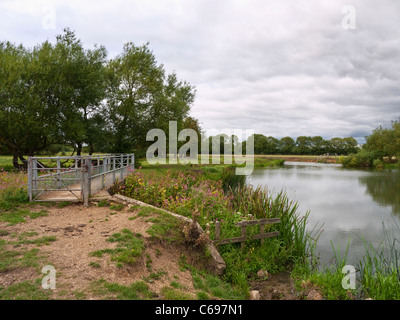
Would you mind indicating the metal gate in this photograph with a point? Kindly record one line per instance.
(75, 178)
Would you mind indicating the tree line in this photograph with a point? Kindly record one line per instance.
(63, 94)
(304, 145)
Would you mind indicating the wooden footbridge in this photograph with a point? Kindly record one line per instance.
(78, 178)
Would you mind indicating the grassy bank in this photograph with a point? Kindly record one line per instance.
(215, 193)
(210, 193)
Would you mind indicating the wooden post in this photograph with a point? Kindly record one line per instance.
(217, 231)
(262, 231)
(243, 234)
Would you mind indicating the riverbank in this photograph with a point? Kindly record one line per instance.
(290, 254)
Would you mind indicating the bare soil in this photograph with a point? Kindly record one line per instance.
(80, 230)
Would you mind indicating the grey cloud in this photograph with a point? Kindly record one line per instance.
(279, 67)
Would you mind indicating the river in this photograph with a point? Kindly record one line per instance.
(351, 205)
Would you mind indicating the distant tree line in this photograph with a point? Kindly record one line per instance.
(304, 145)
(65, 96)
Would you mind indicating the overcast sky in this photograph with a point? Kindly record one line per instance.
(281, 68)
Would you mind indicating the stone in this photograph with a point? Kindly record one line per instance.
(254, 295)
(262, 274)
(314, 295)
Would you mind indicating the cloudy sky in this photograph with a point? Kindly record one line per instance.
(281, 68)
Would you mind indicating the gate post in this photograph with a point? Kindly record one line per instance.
(30, 179)
(86, 181)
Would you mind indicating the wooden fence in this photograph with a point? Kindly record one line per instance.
(243, 225)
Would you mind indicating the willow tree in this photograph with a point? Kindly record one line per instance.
(26, 121)
(50, 94)
(141, 96)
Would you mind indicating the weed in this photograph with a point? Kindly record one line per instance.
(138, 290)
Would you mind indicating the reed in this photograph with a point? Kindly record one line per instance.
(379, 267)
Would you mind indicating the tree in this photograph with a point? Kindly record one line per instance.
(26, 121)
(384, 142)
(303, 145)
(142, 97)
(82, 79)
(49, 95)
(317, 145)
(286, 145)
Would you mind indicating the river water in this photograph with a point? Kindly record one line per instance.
(351, 206)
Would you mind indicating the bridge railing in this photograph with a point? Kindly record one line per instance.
(77, 176)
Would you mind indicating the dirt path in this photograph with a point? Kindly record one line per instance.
(79, 231)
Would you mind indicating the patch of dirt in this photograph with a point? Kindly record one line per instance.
(277, 287)
(80, 230)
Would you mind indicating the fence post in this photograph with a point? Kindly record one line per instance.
(113, 158)
(34, 177)
(243, 234)
(217, 231)
(30, 180)
(58, 173)
(262, 231)
(103, 180)
(122, 167)
(86, 181)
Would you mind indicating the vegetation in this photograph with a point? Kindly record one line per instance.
(303, 145)
(382, 149)
(198, 192)
(60, 96)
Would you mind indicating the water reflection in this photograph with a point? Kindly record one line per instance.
(384, 188)
(351, 204)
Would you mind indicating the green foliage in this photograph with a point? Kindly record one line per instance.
(199, 194)
(142, 97)
(25, 290)
(129, 248)
(382, 149)
(304, 145)
(363, 158)
(138, 290)
(61, 95)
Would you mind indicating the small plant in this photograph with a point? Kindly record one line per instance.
(129, 247)
(94, 264)
(117, 207)
(103, 203)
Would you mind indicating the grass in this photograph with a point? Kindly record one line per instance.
(208, 194)
(26, 290)
(19, 215)
(138, 290)
(129, 248)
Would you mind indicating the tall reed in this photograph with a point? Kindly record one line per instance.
(260, 203)
(379, 267)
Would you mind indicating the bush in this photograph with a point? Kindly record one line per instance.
(363, 158)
